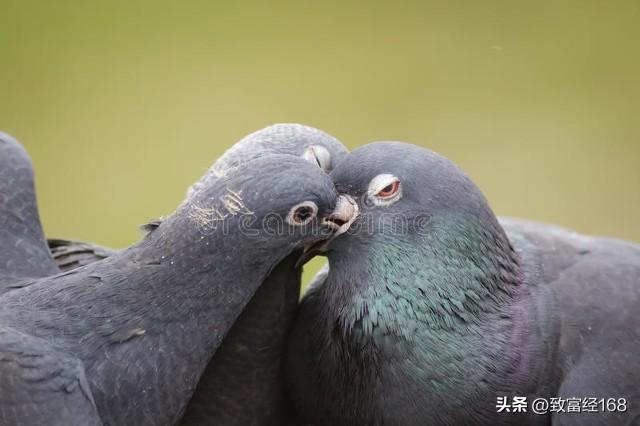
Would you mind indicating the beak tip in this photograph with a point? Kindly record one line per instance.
(345, 212)
(339, 221)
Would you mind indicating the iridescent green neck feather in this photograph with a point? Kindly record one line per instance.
(448, 277)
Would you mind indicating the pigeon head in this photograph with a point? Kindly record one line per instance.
(400, 188)
(271, 201)
(424, 230)
(15, 168)
(311, 144)
(308, 143)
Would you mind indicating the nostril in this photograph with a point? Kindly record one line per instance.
(343, 215)
(338, 221)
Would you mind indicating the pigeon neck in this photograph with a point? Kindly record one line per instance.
(453, 274)
(165, 304)
(447, 299)
(458, 275)
(199, 269)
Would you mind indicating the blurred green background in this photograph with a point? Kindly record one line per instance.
(124, 104)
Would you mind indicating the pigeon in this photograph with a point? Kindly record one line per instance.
(23, 252)
(434, 312)
(243, 383)
(299, 140)
(123, 341)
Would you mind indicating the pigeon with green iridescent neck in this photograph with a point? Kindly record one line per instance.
(432, 308)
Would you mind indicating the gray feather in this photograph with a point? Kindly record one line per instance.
(23, 251)
(74, 254)
(432, 308)
(243, 383)
(144, 322)
(41, 385)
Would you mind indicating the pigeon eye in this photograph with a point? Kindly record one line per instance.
(318, 155)
(302, 213)
(389, 190)
(384, 190)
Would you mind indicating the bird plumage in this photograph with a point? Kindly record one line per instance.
(70, 255)
(430, 310)
(144, 323)
(23, 250)
(243, 383)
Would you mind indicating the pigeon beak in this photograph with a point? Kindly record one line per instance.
(345, 213)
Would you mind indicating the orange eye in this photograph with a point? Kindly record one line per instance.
(389, 190)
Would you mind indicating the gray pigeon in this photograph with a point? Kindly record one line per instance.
(432, 309)
(23, 252)
(124, 341)
(243, 383)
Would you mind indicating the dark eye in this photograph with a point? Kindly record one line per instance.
(302, 213)
(389, 190)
